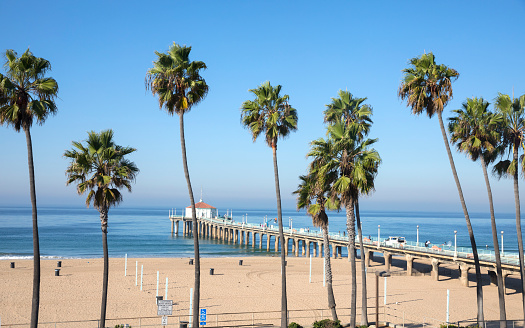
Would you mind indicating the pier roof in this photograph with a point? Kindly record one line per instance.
(201, 205)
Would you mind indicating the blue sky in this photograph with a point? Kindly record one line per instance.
(100, 52)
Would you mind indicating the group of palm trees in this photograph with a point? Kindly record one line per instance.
(343, 164)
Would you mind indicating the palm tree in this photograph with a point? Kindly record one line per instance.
(313, 194)
(26, 95)
(513, 137)
(177, 82)
(270, 114)
(474, 131)
(100, 168)
(356, 115)
(427, 87)
(352, 161)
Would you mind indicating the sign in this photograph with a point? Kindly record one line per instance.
(164, 320)
(164, 307)
(202, 317)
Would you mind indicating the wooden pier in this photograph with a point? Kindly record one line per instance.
(306, 243)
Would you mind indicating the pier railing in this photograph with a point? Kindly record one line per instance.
(508, 258)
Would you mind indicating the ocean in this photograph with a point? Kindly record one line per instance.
(67, 232)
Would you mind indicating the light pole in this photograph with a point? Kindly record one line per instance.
(455, 244)
(417, 238)
(378, 235)
(502, 252)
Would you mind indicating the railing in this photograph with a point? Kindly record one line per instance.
(458, 252)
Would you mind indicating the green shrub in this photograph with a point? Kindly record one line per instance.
(294, 325)
(327, 323)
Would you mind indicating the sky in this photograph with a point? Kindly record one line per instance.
(100, 52)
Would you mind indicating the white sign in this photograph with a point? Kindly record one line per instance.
(164, 307)
(164, 320)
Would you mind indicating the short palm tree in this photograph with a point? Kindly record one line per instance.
(270, 114)
(427, 87)
(513, 138)
(474, 130)
(179, 86)
(100, 168)
(352, 160)
(26, 96)
(356, 115)
(313, 195)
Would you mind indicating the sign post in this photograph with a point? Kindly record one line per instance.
(164, 307)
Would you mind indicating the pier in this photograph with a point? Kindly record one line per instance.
(310, 243)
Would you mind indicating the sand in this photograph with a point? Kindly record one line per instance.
(252, 288)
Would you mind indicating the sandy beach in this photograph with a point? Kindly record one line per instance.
(251, 288)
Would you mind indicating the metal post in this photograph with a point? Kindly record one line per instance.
(455, 244)
(141, 274)
(378, 235)
(126, 264)
(384, 297)
(377, 300)
(417, 238)
(166, 294)
(191, 305)
(502, 252)
(310, 279)
(448, 303)
(324, 272)
(136, 273)
(157, 284)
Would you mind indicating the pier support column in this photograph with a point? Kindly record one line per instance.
(388, 260)
(368, 255)
(172, 225)
(253, 239)
(268, 242)
(277, 243)
(296, 243)
(241, 233)
(287, 244)
(260, 240)
(320, 246)
(247, 238)
(314, 248)
(435, 269)
(463, 273)
(303, 247)
(334, 251)
(308, 249)
(340, 249)
(410, 263)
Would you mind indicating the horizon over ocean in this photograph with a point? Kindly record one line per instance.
(74, 232)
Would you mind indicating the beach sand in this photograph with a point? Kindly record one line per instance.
(251, 288)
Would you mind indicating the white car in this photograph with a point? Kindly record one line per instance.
(395, 241)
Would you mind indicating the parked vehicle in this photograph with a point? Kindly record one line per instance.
(395, 241)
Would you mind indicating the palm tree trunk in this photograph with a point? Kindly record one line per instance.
(104, 226)
(284, 300)
(364, 315)
(35, 305)
(197, 287)
(518, 225)
(479, 287)
(350, 227)
(501, 287)
(328, 266)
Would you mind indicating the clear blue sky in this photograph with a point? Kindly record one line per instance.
(100, 52)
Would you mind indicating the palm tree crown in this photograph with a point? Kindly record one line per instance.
(176, 80)
(25, 94)
(350, 110)
(427, 86)
(269, 113)
(474, 129)
(99, 167)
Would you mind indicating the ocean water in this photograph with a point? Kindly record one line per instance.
(145, 232)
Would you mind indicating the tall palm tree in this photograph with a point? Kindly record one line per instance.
(351, 160)
(99, 167)
(513, 138)
(427, 87)
(177, 82)
(355, 115)
(474, 130)
(313, 194)
(26, 95)
(270, 114)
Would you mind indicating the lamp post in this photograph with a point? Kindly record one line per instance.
(502, 252)
(417, 238)
(455, 244)
(378, 235)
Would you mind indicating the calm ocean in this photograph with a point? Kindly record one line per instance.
(145, 232)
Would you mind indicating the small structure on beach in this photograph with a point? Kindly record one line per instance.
(202, 210)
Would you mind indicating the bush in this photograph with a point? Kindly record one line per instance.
(327, 323)
(294, 325)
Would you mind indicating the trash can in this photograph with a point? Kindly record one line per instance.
(191, 263)
(240, 262)
(159, 298)
(211, 271)
(57, 272)
(59, 264)
(12, 265)
(183, 324)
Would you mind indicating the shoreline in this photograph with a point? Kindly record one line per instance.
(252, 287)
